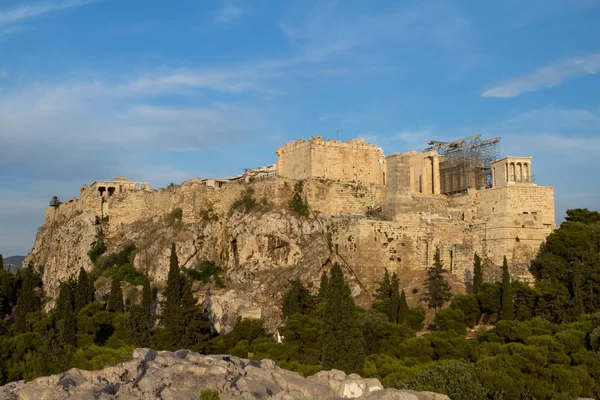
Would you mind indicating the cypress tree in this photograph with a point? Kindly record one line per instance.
(395, 299)
(147, 300)
(196, 326)
(403, 309)
(138, 325)
(322, 295)
(115, 298)
(1, 262)
(342, 339)
(172, 312)
(477, 273)
(507, 295)
(84, 293)
(384, 291)
(65, 307)
(27, 301)
(172, 308)
(438, 290)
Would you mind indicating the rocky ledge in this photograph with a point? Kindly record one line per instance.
(183, 374)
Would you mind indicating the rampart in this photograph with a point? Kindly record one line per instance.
(384, 213)
(350, 161)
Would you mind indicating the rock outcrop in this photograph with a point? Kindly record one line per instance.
(183, 374)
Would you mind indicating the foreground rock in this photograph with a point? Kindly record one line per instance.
(183, 374)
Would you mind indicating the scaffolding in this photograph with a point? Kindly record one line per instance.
(466, 163)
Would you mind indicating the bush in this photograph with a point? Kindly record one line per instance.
(298, 204)
(245, 202)
(97, 250)
(448, 318)
(209, 394)
(204, 271)
(455, 378)
(175, 215)
(469, 306)
(126, 273)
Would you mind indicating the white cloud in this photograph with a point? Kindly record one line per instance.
(229, 12)
(546, 77)
(30, 11)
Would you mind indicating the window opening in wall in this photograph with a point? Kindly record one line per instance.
(525, 212)
(534, 213)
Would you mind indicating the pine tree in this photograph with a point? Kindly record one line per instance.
(297, 300)
(196, 324)
(65, 308)
(403, 310)
(27, 301)
(438, 290)
(322, 295)
(342, 340)
(115, 298)
(507, 294)
(477, 273)
(84, 294)
(395, 299)
(384, 291)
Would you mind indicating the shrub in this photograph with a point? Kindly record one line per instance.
(245, 202)
(205, 270)
(98, 248)
(209, 394)
(455, 378)
(449, 318)
(298, 204)
(126, 273)
(175, 215)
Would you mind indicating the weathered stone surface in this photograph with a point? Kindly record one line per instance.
(261, 249)
(183, 374)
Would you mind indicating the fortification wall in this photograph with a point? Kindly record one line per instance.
(350, 161)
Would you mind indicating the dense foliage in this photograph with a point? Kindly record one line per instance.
(529, 342)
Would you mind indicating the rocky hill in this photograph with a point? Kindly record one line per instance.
(183, 375)
(250, 231)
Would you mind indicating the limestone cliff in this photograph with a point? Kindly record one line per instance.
(260, 249)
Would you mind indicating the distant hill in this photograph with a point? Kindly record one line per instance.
(12, 263)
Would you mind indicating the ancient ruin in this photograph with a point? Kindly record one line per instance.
(368, 211)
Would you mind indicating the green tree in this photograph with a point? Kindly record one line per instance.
(507, 294)
(1, 262)
(65, 307)
(342, 340)
(384, 291)
(147, 301)
(477, 273)
(27, 300)
(322, 295)
(468, 304)
(438, 290)
(115, 297)
(138, 325)
(8, 293)
(197, 327)
(172, 309)
(84, 293)
(297, 300)
(395, 299)
(403, 310)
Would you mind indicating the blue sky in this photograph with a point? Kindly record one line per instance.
(165, 91)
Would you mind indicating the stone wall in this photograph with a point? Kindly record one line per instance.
(350, 161)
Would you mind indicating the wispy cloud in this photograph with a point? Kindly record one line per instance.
(30, 11)
(229, 11)
(546, 77)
